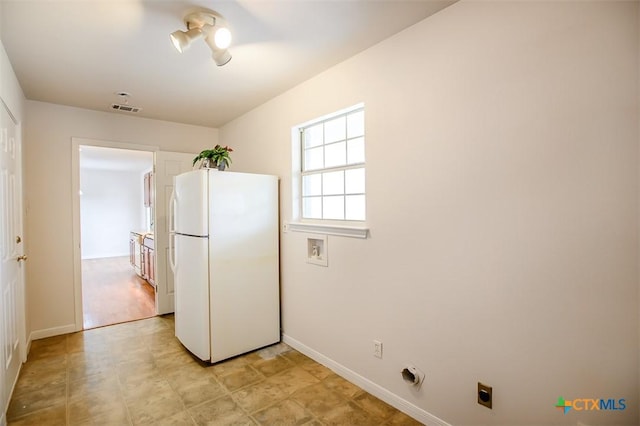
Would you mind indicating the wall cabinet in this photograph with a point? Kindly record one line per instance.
(141, 244)
(148, 189)
(148, 199)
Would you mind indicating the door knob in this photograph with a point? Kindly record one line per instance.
(18, 239)
(20, 258)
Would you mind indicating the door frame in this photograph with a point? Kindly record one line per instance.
(75, 190)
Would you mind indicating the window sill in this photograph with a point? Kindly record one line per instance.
(321, 228)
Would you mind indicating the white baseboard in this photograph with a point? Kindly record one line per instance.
(50, 332)
(3, 420)
(105, 256)
(27, 349)
(378, 391)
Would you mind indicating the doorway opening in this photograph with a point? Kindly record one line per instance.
(117, 235)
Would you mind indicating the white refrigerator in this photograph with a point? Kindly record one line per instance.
(224, 255)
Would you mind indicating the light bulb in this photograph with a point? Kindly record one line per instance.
(222, 38)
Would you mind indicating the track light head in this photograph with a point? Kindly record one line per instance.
(182, 39)
(211, 27)
(220, 56)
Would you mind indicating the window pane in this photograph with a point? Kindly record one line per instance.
(312, 207)
(313, 136)
(314, 158)
(333, 183)
(333, 207)
(312, 185)
(355, 151)
(334, 130)
(355, 207)
(355, 124)
(335, 155)
(354, 181)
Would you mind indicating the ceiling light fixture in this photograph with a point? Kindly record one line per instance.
(210, 26)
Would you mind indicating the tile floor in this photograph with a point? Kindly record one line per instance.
(138, 373)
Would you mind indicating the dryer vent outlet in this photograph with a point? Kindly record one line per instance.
(412, 375)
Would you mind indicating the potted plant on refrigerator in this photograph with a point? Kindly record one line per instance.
(218, 157)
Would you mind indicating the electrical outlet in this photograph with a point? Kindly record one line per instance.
(377, 349)
(485, 395)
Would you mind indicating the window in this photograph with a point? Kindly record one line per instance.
(333, 167)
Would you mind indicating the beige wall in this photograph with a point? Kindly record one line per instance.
(502, 197)
(47, 147)
(10, 90)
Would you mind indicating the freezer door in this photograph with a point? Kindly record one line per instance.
(191, 201)
(192, 294)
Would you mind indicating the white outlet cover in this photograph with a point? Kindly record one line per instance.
(377, 349)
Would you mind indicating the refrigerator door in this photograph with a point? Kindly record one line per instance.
(191, 203)
(192, 294)
(244, 277)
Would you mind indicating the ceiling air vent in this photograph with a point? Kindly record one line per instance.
(125, 108)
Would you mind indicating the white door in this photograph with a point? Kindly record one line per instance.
(11, 259)
(167, 165)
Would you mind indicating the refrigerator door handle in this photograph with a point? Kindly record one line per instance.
(172, 212)
(172, 251)
(172, 231)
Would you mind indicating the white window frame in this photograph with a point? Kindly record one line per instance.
(348, 228)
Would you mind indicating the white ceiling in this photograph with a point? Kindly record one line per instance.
(81, 52)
